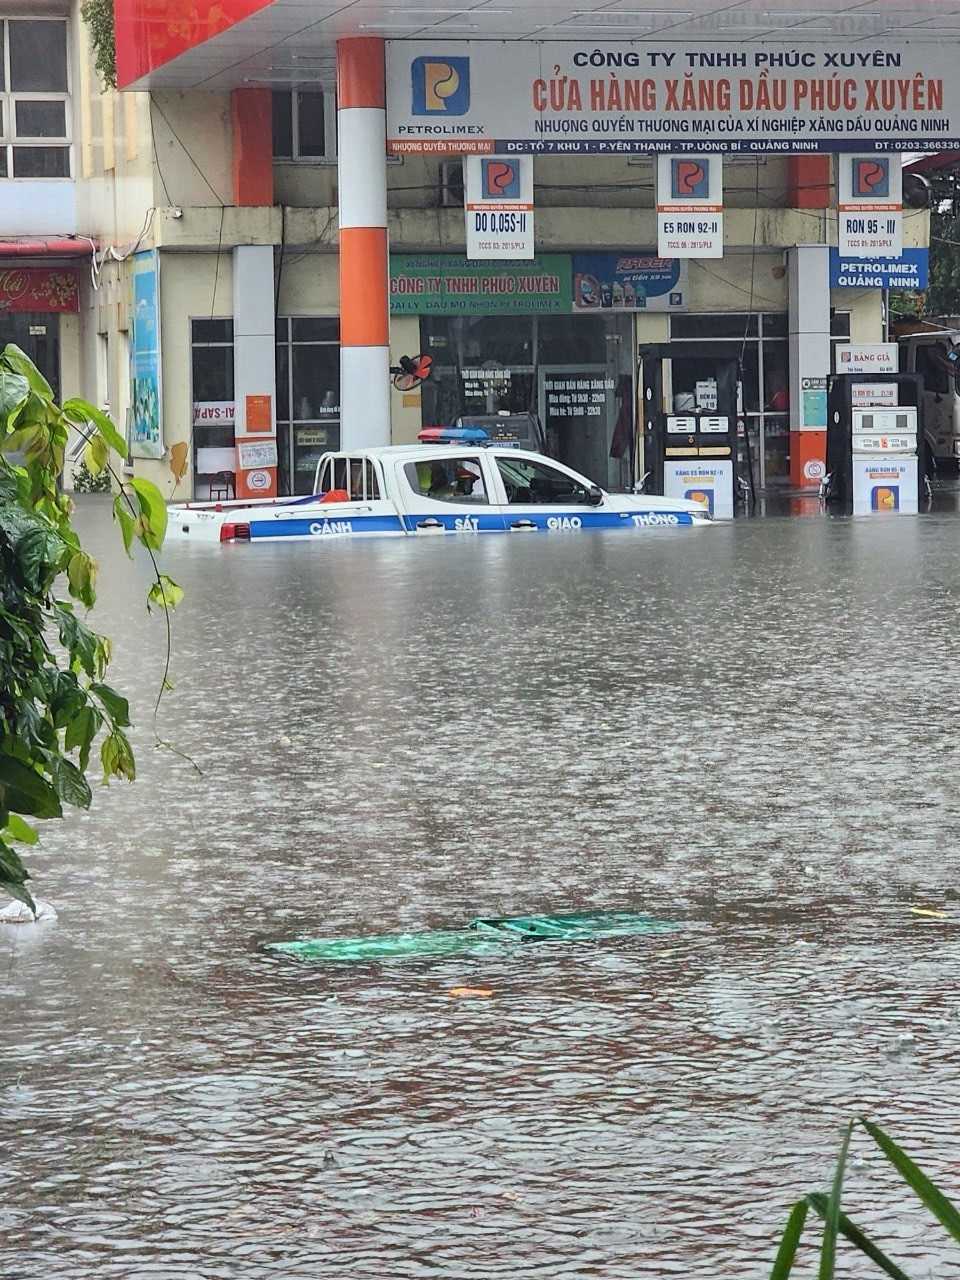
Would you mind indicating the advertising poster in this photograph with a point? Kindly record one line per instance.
(146, 426)
(690, 206)
(628, 282)
(911, 270)
(884, 484)
(708, 482)
(499, 206)
(870, 194)
(569, 97)
(445, 284)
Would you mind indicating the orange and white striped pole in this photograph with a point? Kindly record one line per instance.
(364, 296)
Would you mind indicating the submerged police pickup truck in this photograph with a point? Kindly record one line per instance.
(433, 489)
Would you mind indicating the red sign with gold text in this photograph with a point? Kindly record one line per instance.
(39, 289)
(152, 32)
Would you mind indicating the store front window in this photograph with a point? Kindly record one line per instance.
(308, 397)
(574, 373)
(214, 461)
(759, 342)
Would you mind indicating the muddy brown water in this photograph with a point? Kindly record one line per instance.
(750, 730)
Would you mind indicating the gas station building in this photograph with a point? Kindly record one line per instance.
(275, 251)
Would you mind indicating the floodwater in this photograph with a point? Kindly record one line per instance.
(750, 730)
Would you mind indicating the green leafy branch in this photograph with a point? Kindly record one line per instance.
(836, 1223)
(99, 17)
(52, 711)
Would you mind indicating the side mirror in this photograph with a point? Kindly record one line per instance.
(594, 496)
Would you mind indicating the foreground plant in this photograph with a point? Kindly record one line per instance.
(54, 702)
(836, 1223)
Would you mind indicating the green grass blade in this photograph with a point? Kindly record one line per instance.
(831, 1219)
(932, 1196)
(852, 1232)
(783, 1263)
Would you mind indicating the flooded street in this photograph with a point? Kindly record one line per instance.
(749, 730)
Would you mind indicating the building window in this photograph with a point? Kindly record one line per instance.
(213, 407)
(308, 397)
(34, 99)
(305, 125)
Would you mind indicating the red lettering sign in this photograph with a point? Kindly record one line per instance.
(39, 289)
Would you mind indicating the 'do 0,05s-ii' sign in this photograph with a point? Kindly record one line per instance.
(561, 97)
(499, 206)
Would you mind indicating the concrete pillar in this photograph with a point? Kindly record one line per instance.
(808, 330)
(254, 371)
(808, 182)
(364, 294)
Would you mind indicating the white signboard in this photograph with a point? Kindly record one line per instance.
(870, 194)
(708, 482)
(499, 206)
(878, 357)
(570, 97)
(261, 453)
(864, 395)
(690, 206)
(884, 484)
(213, 413)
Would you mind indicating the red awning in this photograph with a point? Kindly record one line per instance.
(937, 162)
(45, 247)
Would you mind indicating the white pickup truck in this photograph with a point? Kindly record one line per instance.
(428, 489)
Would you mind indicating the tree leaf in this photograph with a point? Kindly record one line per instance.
(81, 411)
(72, 787)
(831, 1219)
(128, 528)
(116, 707)
(39, 553)
(18, 360)
(783, 1263)
(82, 577)
(81, 731)
(117, 757)
(14, 389)
(14, 875)
(25, 791)
(153, 512)
(165, 593)
(76, 637)
(17, 829)
(852, 1232)
(95, 455)
(938, 1204)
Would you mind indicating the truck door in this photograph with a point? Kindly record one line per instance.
(448, 492)
(543, 495)
(939, 399)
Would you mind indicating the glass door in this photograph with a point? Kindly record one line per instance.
(578, 408)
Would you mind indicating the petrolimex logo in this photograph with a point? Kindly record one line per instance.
(441, 86)
(501, 180)
(871, 177)
(689, 179)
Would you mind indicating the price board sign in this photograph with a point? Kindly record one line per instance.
(690, 206)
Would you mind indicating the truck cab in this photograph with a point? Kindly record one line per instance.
(935, 355)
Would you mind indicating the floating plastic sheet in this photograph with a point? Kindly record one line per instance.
(488, 933)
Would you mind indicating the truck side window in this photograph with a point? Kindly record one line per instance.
(447, 479)
(931, 360)
(527, 481)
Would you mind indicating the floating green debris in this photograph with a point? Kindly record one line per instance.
(484, 934)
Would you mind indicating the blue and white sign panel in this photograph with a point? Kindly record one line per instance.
(910, 271)
(499, 97)
(146, 427)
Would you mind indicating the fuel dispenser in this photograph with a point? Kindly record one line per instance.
(877, 453)
(690, 447)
